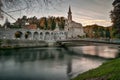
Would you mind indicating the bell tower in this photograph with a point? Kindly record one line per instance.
(69, 15)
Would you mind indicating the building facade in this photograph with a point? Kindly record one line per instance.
(72, 30)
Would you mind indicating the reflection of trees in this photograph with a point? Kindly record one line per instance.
(61, 53)
(31, 54)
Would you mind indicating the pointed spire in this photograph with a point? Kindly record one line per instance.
(69, 10)
(69, 15)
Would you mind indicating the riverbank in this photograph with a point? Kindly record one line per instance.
(13, 44)
(107, 71)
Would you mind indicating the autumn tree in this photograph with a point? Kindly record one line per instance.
(97, 31)
(44, 23)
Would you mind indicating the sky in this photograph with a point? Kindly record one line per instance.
(86, 12)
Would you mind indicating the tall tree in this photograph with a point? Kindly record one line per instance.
(115, 17)
(42, 23)
(53, 24)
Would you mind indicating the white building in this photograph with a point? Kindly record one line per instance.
(74, 29)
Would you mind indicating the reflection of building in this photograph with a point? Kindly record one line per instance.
(30, 32)
(69, 67)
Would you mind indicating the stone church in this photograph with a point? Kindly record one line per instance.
(73, 28)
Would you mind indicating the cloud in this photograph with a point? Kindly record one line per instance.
(90, 21)
(84, 11)
(92, 12)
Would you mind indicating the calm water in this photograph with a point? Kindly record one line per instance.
(52, 63)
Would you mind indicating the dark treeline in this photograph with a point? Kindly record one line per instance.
(45, 23)
(97, 31)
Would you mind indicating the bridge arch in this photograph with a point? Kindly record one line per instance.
(47, 36)
(56, 36)
(28, 35)
(18, 35)
(52, 36)
(36, 36)
(41, 35)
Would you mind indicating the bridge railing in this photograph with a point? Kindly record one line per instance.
(89, 39)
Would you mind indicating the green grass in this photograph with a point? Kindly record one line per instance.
(107, 71)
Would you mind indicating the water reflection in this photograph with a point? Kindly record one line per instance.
(23, 55)
(45, 63)
(101, 51)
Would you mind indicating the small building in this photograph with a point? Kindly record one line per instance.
(31, 26)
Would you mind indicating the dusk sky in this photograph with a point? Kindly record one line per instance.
(86, 12)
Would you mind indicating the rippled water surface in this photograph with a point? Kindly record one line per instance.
(52, 63)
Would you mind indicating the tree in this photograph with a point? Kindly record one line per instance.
(49, 22)
(53, 26)
(115, 18)
(62, 23)
(96, 31)
(11, 6)
(43, 23)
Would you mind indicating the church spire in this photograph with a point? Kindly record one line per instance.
(69, 15)
(69, 10)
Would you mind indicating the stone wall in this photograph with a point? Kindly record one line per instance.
(45, 35)
(22, 43)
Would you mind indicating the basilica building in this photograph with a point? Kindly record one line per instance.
(72, 30)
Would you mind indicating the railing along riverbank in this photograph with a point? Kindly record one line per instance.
(78, 42)
(5, 43)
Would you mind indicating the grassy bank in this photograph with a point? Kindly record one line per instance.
(107, 71)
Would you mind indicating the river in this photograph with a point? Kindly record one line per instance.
(52, 63)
